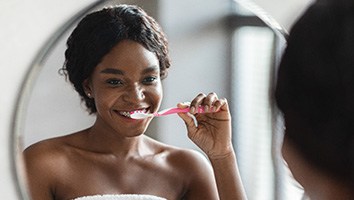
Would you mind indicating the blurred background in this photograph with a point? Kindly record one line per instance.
(217, 46)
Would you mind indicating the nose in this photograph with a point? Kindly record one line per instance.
(134, 93)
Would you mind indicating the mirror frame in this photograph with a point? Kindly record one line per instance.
(17, 163)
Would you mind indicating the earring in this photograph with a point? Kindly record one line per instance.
(89, 94)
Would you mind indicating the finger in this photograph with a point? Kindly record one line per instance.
(220, 104)
(183, 104)
(209, 101)
(197, 101)
(224, 105)
(188, 120)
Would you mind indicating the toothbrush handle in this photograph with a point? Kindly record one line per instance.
(177, 110)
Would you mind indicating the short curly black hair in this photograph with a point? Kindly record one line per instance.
(98, 32)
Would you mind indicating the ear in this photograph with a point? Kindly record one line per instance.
(87, 86)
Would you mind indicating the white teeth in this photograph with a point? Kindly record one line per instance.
(128, 113)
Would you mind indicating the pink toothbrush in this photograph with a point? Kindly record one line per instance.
(168, 111)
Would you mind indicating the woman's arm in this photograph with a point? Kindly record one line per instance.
(213, 135)
(227, 177)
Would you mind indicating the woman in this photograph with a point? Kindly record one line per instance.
(316, 95)
(116, 59)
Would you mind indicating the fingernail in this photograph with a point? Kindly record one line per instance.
(192, 109)
(212, 109)
(206, 108)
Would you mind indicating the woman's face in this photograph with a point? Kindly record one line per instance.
(127, 79)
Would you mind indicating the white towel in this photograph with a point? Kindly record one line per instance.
(120, 197)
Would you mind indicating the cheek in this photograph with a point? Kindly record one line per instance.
(284, 152)
(105, 100)
(287, 151)
(159, 93)
(156, 95)
(294, 162)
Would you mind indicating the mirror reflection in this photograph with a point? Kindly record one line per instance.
(216, 48)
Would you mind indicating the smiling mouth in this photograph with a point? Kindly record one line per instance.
(128, 113)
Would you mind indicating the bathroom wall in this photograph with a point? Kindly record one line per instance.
(25, 26)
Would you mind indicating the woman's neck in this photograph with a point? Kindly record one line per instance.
(107, 141)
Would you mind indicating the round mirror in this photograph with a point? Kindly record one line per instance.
(228, 47)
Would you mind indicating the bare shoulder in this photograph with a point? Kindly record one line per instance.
(49, 155)
(43, 149)
(45, 163)
(186, 161)
(46, 147)
(188, 158)
(195, 170)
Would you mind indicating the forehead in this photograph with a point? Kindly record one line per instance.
(130, 55)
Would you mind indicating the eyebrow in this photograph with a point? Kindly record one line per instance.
(150, 69)
(112, 71)
(120, 72)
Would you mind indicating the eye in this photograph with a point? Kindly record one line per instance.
(114, 82)
(150, 79)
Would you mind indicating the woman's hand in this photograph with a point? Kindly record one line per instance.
(213, 135)
(212, 130)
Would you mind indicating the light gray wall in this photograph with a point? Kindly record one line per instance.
(199, 52)
(25, 25)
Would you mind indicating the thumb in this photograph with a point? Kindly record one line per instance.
(188, 118)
